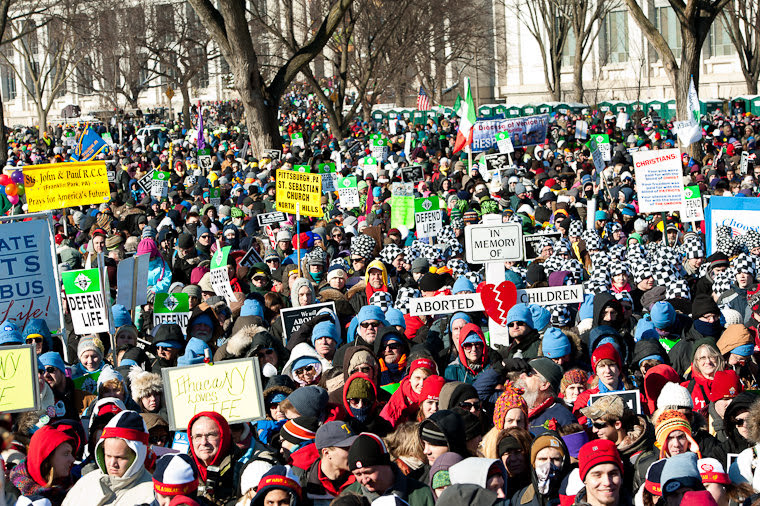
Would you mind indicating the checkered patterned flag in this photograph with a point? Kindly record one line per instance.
(744, 263)
(402, 298)
(644, 271)
(693, 248)
(390, 252)
(458, 267)
(576, 228)
(751, 239)
(721, 282)
(678, 289)
(410, 254)
(383, 300)
(592, 240)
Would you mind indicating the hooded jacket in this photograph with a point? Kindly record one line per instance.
(247, 339)
(475, 470)
(27, 475)
(220, 487)
(390, 373)
(459, 369)
(300, 351)
(374, 422)
(530, 495)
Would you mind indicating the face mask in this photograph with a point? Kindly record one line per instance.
(316, 276)
(545, 473)
(360, 414)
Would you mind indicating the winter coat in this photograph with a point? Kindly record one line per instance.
(374, 422)
(227, 483)
(159, 275)
(300, 351)
(459, 369)
(637, 441)
(411, 491)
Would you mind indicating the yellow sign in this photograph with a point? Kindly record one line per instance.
(18, 379)
(169, 92)
(299, 188)
(232, 388)
(59, 185)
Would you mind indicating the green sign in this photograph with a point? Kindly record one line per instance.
(220, 257)
(502, 136)
(379, 143)
(84, 281)
(172, 308)
(402, 205)
(327, 168)
(204, 152)
(347, 182)
(426, 204)
(692, 192)
(302, 168)
(161, 175)
(85, 300)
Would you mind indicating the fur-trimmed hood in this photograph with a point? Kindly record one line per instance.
(357, 288)
(142, 383)
(240, 342)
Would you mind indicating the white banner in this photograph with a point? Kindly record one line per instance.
(567, 294)
(445, 304)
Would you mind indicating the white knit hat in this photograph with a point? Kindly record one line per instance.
(252, 475)
(732, 316)
(674, 395)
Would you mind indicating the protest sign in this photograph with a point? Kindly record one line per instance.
(741, 215)
(445, 304)
(146, 182)
(412, 174)
(581, 129)
(297, 188)
(631, 399)
(596, 156)
(204, 160)
(602, 142)
(220, 277)
(622, 119)
(530, 244)
(548, 296)
(160, 184)
(659, 181)
(348, 192)
(294, 317)
(270, 218)
(19, 386)
(744, 163)
(504, 143)
(28, 287)
(250, 258)
(86, 301)
(408, 145)
(231, 388)
(525, 131)
(427, 216)
(296, 140)
(59, 185)
(493, 242)
(132, 281)
(273, 154)
(379, 148)
(329, 176)
(215, 196)
(302, 168)
(692, 209)
(370, 165)
(495, 163)
(111, 175)
(172, 308)
(402, 205)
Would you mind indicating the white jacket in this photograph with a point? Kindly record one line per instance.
(98, 489)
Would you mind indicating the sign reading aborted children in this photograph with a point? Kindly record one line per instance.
(231, 388)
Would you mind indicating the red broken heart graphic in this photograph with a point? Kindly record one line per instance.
(498, 300)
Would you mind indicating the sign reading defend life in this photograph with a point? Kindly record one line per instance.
(172, 308)
(299, 188)
(493, 243)
(59, 185)
(84, 297)
(220, 277)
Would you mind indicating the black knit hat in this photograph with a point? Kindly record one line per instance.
(431, 282)
(368, 451)
(703, 305)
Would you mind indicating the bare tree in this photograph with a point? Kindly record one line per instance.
(548, 22)
(742, 21)
(230, 29)
(50, 47)
(695, 18)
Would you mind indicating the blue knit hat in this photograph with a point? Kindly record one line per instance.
(586, 310)
(148, 232)
(309, 400)
(541, 316)
(600, 216)
(201, 230)
(520, 313)
(121, 316)
(395, 317)
(194, 352)
(252, 307)
(663, 314)
(38, 327)
(745, 350)
(371, 312)
(53, 359)
(681, 471)
(645, 329)
(555, 343)
(462, 284)
(326, 329)
(459, 316)
(515, 278)
(9, 334)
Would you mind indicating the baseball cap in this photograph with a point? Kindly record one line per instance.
(608, 404)
(335, 433)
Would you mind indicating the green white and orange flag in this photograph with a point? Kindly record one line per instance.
(466, 115)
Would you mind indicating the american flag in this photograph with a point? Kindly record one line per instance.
(423, 102)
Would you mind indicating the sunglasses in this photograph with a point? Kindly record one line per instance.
(393, 346)
(600, 425)
(205, 236)
(357, 260)
(30, 340)
(309, 369)
(468, 346)
(469, 405)
(50, 370)
(740, 422)
(516, 324)
(358, 402)
(260, 278)
(366, 325)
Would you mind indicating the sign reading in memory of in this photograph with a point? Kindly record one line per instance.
(19, 388)
(427, 216)
(299, 188)
(566, 294)
(294, 317)
(231, 388)
(84, 297)
(493, 243)
(445, 304)
(172, 308)
(659, 180)
(59, 185)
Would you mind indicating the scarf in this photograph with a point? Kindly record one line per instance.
(603, 388)
(392, 373)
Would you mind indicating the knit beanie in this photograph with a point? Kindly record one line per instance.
(300, 430)
(671, 420)
(278, 478)
(520, 313)
(9, 334)
(431, 388)
(309, 400)
(674, 396)
(680, 471)
(736, 339)
(360, 388)
(53, 359)
(90, 343)
(555, 343)
(368, 450)
(549, 370)
(175, 474)
(599, 451)
(703, 305)
(663, 314)
(572, 377)
(509, 399)
(606, 352)
(726, 384)
(545, 441)
(423, 363)
(121, 315)
(653, 483)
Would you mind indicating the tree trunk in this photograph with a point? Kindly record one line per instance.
(578, 71)
(186, 123)
(42, 115)
(751, 84)
(261, 109)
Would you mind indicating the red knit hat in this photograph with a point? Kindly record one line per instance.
(598, 451)
(423, 362)
(44, 442)
(431, 388)
(606, 351)
(726, 384)
(510, 399)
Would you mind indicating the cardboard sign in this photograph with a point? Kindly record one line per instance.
(412, 174)
(495, 163)
(348, 192)
(379, 148)
(504, 143)
(402, 205)
(270, 218)
(86, 302)
(408, 145)
(548, 296)
(445, 304)
(204, 160)
(692, 209)
(251, 257)
(111, 176)
(231, 388)
(602, 142)
(28, 288)
(530, 244)
(493, 242)
(132, 281)
(19, 388)
(273, 154)
(220, 278)
(172, 308)
(631, 399)
(59, 185)
(294, 317)
(581, 129)
(297, 188)
(427, 217)
(659, 180)
(296, 140)
(302, 168)
(160, 185)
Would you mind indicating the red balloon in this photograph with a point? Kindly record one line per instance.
(4, 180)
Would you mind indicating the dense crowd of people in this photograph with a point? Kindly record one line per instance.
(643, 394)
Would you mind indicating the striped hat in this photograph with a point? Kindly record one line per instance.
(300, 430)
(669, 421)
(175, 474)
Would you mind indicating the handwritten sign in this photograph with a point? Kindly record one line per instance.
(58, 185)
(27, 279)
(231, 388)
(19, 389)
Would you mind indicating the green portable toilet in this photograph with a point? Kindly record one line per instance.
(407, 114)
(671, 110)
(379, 115)
(709, 106)
(529, 110)
(514, 111)
(751, 103)
(484, 111)
(545, 108)
(499, 111)
(393, 113)
(621, 106)
(565, 108)
(604, 106)
(658, 106)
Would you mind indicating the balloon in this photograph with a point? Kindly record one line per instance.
(4, 180)
(11, 189)
(17, 177)
(13, 199)
(20, 190)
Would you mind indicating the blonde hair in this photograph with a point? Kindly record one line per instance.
(405, 441)
(720, 362)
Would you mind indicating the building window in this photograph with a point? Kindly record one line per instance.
(614, 37)
(667, 24)
(720, 42)
(8, 78)
(568, 52)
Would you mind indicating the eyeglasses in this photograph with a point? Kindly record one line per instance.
(30, 340)
(468, 346)
(158, 439)
(600, 425)
(469, 405)
(309, 369)
(273, 260)
(209, 436)
(50, 370)
(357, 260)
(515, 324)
(366, 325)
(205, 236)
(740, 422)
